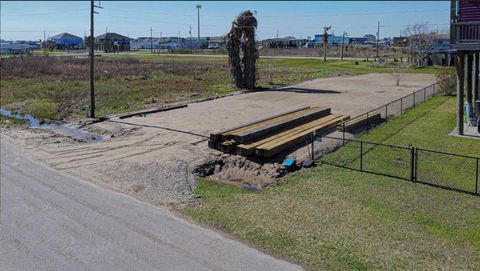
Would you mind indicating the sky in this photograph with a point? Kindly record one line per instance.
(21, 20)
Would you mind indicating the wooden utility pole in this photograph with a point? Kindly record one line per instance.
(151, 40)
(378, 36)
(343, 43)
(92, 43)
(44, 42)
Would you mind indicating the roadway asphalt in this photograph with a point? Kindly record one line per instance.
(52, 221)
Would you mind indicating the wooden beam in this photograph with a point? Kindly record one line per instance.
(274, 147)
(156, 110)
(234, 133)
(460, 67)
(476, 80)
(247, 136)
(249, 149)
(362, 121)
(469, 80)
(216, 136)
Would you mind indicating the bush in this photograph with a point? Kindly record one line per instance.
(448, 80)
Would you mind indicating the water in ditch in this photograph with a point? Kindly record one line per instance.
(63, 129)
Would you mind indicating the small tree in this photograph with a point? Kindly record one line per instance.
(396, 75)
(325, 41)
(242, 35)
(419, 41)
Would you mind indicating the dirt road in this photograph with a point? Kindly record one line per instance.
(154, 160)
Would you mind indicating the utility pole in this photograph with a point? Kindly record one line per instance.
(343, 42)
(105, 49)
(198, 18)
(378, 36)
(277, 33)
(190, 38)
(151, 39)
(44, 42)
(92, 44)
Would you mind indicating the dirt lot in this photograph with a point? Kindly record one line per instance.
(155, 157)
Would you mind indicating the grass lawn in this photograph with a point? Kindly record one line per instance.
(126, 83)
(336, 219)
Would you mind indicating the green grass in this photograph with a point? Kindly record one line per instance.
(336, 219)
(150, 84)
(7, 121)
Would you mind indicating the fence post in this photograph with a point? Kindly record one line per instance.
(343, 132)
(313, 146)
(416, 164)
(361, 155)
(401, 106)
(412, 163)
(368, 124)
(476, 179)
(424, 94)
(386, 113)
(414, 99)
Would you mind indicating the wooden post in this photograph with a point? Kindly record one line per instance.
(469, 80)
(460, 66)
(476, 87)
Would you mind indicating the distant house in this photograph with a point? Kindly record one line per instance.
(112, 42)
(66, 41)
(332, 39)
(145, 43)
(439, 51)
(15, 48)
(400, 41)
(358, 40)
(370, 38)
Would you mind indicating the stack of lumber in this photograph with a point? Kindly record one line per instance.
(362, 121)
(270, 136)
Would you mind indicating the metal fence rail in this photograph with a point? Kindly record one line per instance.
(440, 169)
(453, 171)
(395, 108)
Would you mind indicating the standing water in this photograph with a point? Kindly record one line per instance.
(35, 123)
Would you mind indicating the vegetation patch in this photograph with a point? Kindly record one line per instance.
(127, 83)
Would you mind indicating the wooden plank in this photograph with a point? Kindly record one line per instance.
(215, 136)
(249, 149)
(231, 134)
(362, 121)
(275, 127)
(161, 109)
(228, 146)
(274, 147)
(286, 137)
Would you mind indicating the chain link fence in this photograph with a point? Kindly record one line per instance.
(398, 107)
(445, 170)
(448, 170)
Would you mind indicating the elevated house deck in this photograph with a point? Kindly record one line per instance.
(465, 25)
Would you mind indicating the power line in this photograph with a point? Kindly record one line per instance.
(44, 13)
(294, 15)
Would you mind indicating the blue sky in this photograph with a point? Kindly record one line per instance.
(27, 20)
